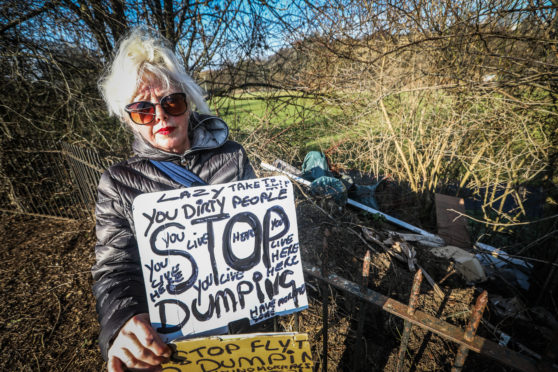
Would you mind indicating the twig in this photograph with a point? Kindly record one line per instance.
(450, 272)
(59, 285)
(71, 360)
(37, 360)
(57, 316)
(437, 290)
(364, 241)
(461, 214)
(535, 242)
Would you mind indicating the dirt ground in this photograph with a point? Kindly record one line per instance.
(48, 319)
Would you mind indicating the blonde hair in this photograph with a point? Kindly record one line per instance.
(145, 56)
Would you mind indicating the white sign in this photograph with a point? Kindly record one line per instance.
(219, 253)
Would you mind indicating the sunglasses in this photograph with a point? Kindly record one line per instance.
(143, 112)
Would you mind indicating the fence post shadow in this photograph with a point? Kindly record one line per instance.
(428, 336)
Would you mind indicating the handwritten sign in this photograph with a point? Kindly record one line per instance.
(219, 253)
(248, 353)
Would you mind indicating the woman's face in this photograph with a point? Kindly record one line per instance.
(165, 132)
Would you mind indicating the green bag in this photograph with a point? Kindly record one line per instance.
(315, 166)
(330, 187)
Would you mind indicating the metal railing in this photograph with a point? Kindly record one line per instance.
(49, 179)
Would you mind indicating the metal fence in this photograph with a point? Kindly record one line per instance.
(49, 179)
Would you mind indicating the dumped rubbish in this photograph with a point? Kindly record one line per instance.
(427, 241)
(493, 262)
(365, 194)
(408, 248)
(405, 253)
(352, 202)
(499, 263)
(330, 188)
(323, 182)
(415, 291)
(511, 307)
(470, 331)
(468, 339)
(315, 168)
(466, 264)
(452, 226)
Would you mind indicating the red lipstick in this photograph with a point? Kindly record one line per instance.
(165, 131)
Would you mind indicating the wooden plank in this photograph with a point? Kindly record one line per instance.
(451, 226)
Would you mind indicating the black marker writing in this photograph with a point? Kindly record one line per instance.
(217, 192)
(197, 242)
(156, 267)
(256, 259)
(208, 282)
(267, 229)
(241, 186)
(165, 328)
(187, 194)
(159, 217)
(242, 264)
(211, 239)
(264, 197)
(172, 238)
(181, 287)
(203, 208)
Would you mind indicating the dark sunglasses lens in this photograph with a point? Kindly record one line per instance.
(174, 104)
(141, 112)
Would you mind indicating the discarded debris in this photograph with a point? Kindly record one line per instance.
(466, 264)
(511, 307)
(354, 203)
(316, 168)
(474, 267)
(415, 291)
(427, 241)
(503, 256)
(448, 331)
(365, 194)
(452, 227)
(498, 262)
(470, 331)
(405, 253)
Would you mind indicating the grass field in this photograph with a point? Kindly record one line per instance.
(302, 123)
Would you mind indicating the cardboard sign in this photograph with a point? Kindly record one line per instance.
(246, 353)
(215, 254)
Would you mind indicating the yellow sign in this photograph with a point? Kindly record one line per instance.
(242, 353)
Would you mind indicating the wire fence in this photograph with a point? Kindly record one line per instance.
(49, 179)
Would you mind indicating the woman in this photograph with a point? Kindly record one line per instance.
(149, 90)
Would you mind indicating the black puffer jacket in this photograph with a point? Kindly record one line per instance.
(119, 287)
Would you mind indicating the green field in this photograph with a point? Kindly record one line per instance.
(302, 123)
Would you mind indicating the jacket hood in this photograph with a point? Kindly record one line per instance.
(205, 132)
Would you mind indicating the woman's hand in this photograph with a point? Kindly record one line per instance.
(137, 346)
